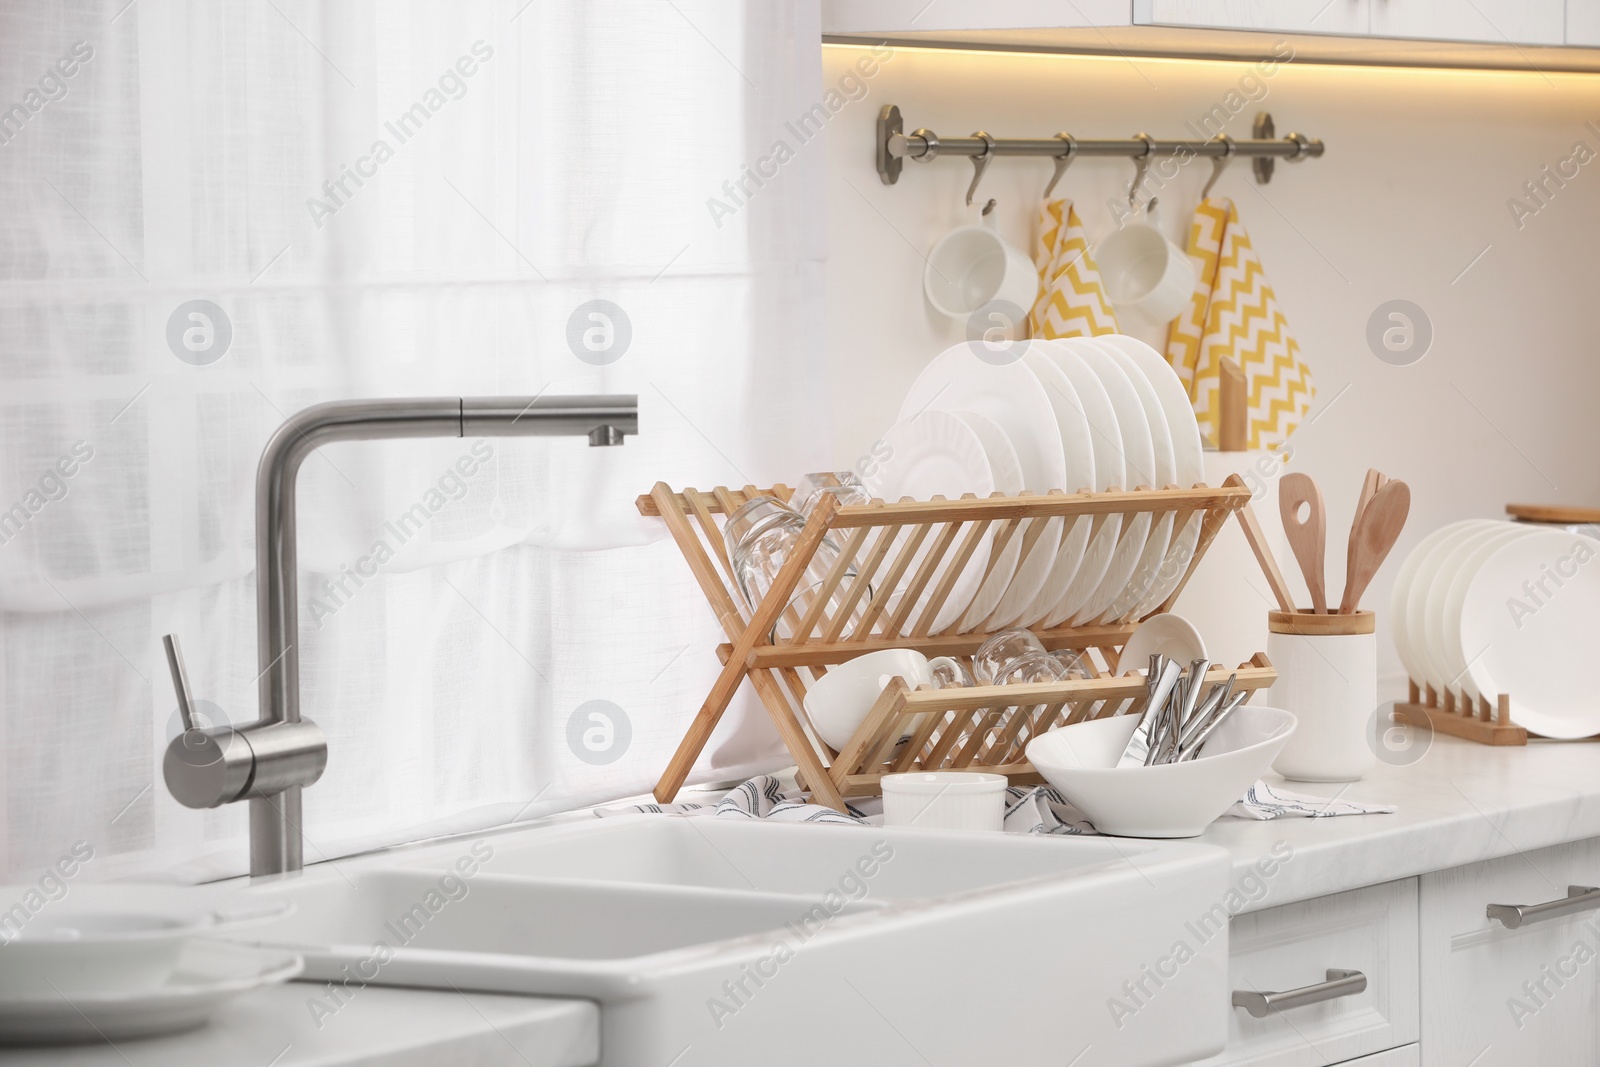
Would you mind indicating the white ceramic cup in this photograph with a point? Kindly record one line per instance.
(944, 800)
(1329, 681)
(972, 266)
(1145, 273)
(838, 702)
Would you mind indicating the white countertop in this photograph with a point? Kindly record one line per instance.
(392, 1027)
(1459, 803)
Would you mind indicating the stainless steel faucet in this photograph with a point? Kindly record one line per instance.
(271, 759)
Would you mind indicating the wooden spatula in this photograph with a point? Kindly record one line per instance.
(1369, 485)
(1376, 529)
(1308, 537)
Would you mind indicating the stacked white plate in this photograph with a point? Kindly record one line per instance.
(1077, 414)
(1484, 608)
(106, 962)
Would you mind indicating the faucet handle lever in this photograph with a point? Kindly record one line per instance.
(180, 680)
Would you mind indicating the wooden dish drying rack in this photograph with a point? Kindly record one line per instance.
(983, 727)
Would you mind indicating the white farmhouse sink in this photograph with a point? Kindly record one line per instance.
(712, 942)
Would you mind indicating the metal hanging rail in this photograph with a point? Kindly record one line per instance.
(894, 146)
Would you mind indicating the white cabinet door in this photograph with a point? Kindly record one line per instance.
(1371, 930)
(1495, 997)
(1490, 21)
(1409, 1056)
(1286, 16)
(1583, 23)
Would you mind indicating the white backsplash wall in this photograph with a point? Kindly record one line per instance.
(1410, 202)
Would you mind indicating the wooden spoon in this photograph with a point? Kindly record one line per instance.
(1375, 531)
(1309, 538)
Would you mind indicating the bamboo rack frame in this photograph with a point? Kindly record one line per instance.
(984, 727)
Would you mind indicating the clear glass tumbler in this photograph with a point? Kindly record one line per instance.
(761, 536)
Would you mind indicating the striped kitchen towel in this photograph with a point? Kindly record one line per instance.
(1072, 301)
(1234, 314)
(1039, 810)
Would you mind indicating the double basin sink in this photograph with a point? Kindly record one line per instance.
(711, 941)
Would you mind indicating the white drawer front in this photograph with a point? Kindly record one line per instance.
(1406, 1056)
(1498, 997)
(1371, 930)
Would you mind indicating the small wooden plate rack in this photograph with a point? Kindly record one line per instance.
(983, 727)
(1459, 716)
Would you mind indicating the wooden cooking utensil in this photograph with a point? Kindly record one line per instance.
(1263, 551)
(1369, 485)
(1375, 531)
(1309, 538)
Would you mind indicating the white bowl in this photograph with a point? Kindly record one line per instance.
(838, 702)
(1169, 800)
(944, 800)
(110, 938)
(1170, 634)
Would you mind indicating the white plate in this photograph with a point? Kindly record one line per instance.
(1012, 396)
(1417, 599)
(1538, 654)
(112, 937)
(1083, 604)
(1148, 570)
(1187, 453)
(1443, 623)
(933, 454)
(1110, 472)
(1078, 451)
(1007, 474)
(208, 975)
(1407, 645)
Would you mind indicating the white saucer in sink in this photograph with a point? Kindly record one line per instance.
(208, 975)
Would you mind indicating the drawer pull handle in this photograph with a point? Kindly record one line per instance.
(1339, 984)
(1578, 898)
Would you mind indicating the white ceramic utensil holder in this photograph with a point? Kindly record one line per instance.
(1328, 679)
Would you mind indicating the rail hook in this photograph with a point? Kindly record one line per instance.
(1141, 163)
(1219, 163)
(980, 163)
(1062, 161)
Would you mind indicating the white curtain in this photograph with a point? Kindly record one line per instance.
(383, 199)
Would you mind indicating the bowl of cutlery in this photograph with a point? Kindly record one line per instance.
(1172, 766)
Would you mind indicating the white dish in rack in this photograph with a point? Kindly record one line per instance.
(1110, 472)
(1187, 454)
(1011, 396)
(936, 453)
(1083, 603)
(1007, 473)
(1077, 450)
(1147, 571)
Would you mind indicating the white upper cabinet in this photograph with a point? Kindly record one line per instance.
(1285, 16)
(1469, 32)
(1487, 21)
(921, 16)
(1583, 23)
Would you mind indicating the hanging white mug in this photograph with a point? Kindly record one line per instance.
(973, 266)
(1144, 273)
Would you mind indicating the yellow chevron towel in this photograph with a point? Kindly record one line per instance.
(1234, 315)
(1072, 301)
